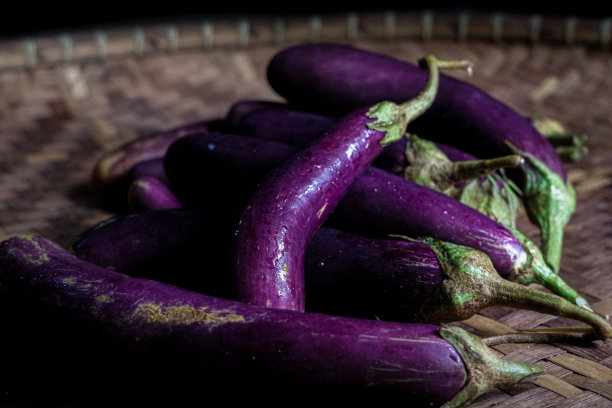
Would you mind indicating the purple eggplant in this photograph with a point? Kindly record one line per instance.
(462, 176)
(271, 120)
(337, 78)
(150, 193)
(425, 281)
(377, 203)
(228, 345)
(294, 198)
(116, 169)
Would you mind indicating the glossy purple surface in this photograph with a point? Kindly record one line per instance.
(382, 203)
(336, 78)
(282, 123)
(239, 346)
(377, 203)
(290, 203)
(345, 273)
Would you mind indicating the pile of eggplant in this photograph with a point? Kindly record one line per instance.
(326, 245)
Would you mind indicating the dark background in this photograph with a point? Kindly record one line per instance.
(27, 18)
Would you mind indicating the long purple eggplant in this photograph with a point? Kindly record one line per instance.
(116, 169)
(229, 345)
(337, 78)
(272, 120)
(377, 203)
(442, 167)
(425, 281)
(294, 198)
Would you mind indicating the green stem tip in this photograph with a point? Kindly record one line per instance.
(541, 337)
(485, 370)
(393, 119)
(472, 284)
(549, 202)
(534, 269)
(430, 166)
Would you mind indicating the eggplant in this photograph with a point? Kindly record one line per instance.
(376, 204)
(226, 345)
(271, 120)
(426, 281)
(294, 198)
(150, 193)
(333, 79)
(116, 169)
(441, 167)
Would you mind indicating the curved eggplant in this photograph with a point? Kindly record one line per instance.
(426, 281)
(294, 198)
(337, 78)
(377, 203)
(441, 167)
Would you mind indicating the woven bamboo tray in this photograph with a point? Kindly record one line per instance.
(67, 98)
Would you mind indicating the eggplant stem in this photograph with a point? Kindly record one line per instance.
(556, 134)
(471, 169)
(528, 298)
(549, 202)
(393, 119)
(485, 370)
(536, 270)
(540, 337)
(418, 105)
(566, 329)
(571, 154)
(473, 283)
(431, 167)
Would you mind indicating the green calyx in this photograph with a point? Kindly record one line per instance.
(535, 269)
(501, 204)
(393, 119)
(472, 182)
(549, 202)
(471, 283)
(484, 369)
(556, 133)
(569, 146)
(428, 165)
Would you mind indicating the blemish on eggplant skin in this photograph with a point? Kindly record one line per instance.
(185, 314)
(103, 299)
(142, 184)
(321, 210)
(68, 281)
(37, 256)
